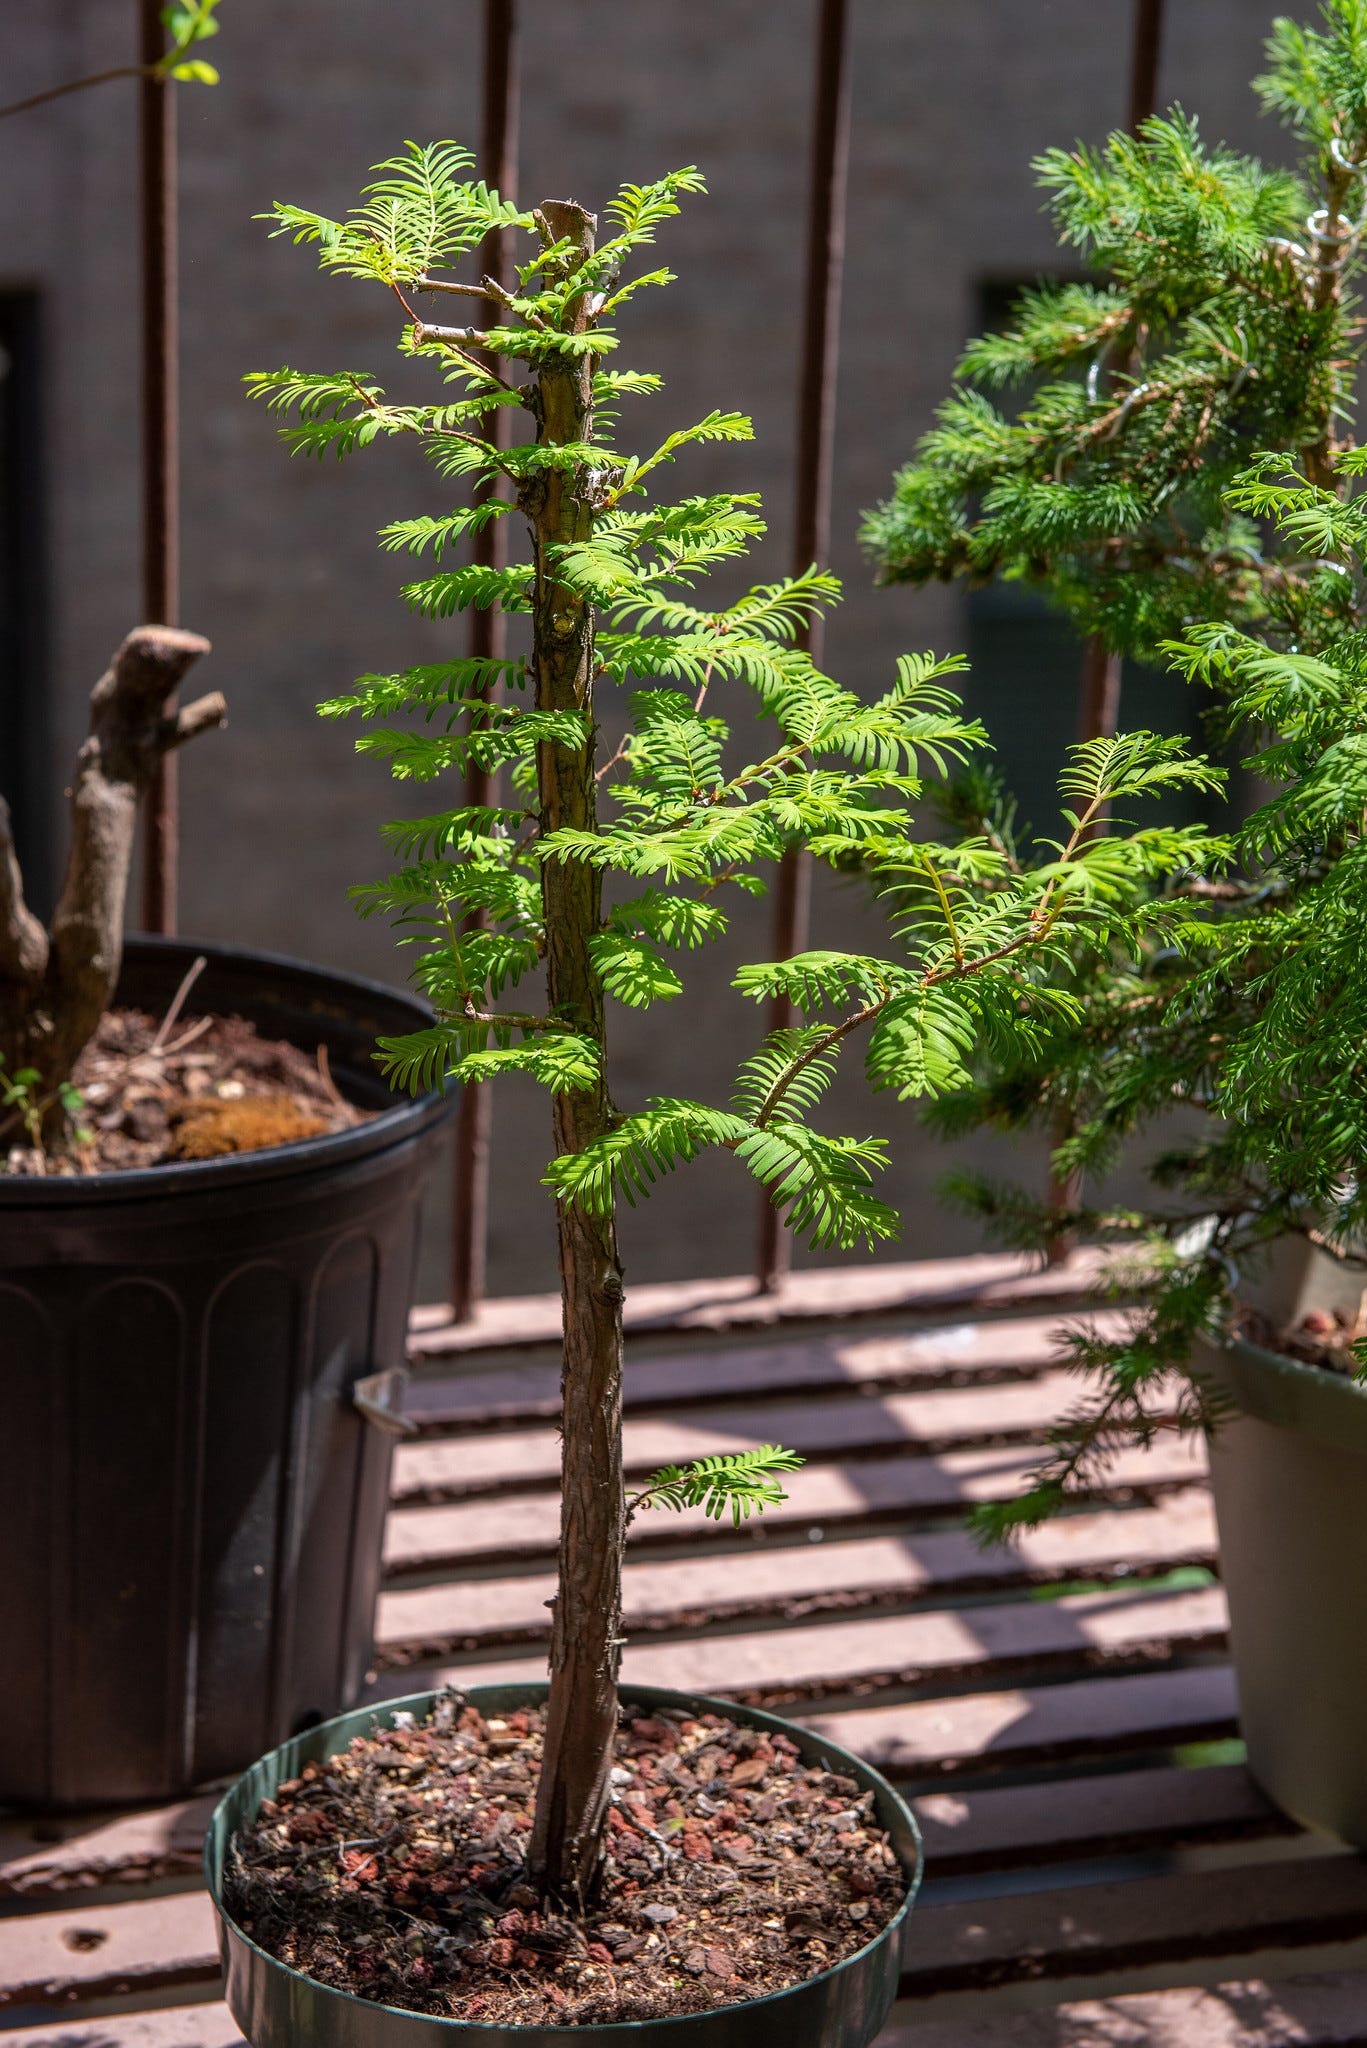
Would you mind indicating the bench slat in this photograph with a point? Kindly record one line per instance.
(780, 1666)
(981, 1284)
(947, 1354)
(1135, 1923)
(1080, 1718)
(1005, 1827)
(101, 1849)
(792, 1581)
(175, 2026)
(939, 1420)
(1325, 2011)
(525, 1526)
(108, 1951)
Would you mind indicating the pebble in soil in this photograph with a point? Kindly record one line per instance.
(395, 1871)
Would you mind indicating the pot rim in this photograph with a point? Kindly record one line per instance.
(393, 1126)
(421, 1702)
(1288, 1393)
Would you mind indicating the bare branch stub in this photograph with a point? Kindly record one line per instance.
(56, 984)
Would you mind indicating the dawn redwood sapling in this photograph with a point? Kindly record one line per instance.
(494, 894)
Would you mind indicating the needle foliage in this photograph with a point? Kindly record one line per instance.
(1217, 321)
(1183, 481)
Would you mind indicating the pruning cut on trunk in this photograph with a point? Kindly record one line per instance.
(594, 871)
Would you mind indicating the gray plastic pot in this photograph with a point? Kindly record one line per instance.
(1289, 1474)
(277, 2007)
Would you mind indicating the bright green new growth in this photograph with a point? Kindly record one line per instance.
(739, 1480)
(978, 931)
(1218, 328)
(188, 23)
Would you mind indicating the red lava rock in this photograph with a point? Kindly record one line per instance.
(662, 1732)
(420, 1897)
(752, 1772)
(309, 1827)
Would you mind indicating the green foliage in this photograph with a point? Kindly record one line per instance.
(188, 23)
(1221, 323)
(1175, 471)
(683, 815)
(25, 1104)
(743, 1481)
(1249, 1006)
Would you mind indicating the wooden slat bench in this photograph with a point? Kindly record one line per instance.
(1100, 1867)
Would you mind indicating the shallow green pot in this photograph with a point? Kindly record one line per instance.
(1289, 1474)
(276, 2007)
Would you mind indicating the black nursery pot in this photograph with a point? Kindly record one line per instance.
(192, 1498)
(277, 2007)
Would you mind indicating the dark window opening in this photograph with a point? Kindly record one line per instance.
(1027, 662)
(23, 679)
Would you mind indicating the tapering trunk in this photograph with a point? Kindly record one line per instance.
(566, 1846)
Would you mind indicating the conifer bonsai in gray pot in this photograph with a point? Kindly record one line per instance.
(1185, 484)
(591, 872)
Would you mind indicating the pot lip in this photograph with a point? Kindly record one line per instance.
(421, 1702)
(407, 1119)
(1281, 1362)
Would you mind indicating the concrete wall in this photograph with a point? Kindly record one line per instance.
(281, 569)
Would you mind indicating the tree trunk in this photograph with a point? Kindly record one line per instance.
(54, 985)
(581, 1722)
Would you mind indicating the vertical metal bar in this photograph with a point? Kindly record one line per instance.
(812, 491)
(1144, 60)
(1099, 709)
(488, 641)
(160, 437)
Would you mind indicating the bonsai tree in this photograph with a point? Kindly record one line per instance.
(1250, 1009)
(595, 872)
(1219, 322)
(1199, 508)
(55, 983)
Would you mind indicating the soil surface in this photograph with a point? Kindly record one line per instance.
(1323, 1337)
(208, 1085)
(395, 1871)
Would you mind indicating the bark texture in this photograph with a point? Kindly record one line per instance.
(566, 1847)
(55, 983)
